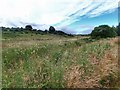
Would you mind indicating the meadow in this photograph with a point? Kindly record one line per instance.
(55, 61)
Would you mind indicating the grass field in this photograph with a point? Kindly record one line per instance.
(54, 61)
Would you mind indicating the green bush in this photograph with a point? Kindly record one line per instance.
(103, 31)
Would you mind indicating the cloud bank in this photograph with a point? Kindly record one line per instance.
(52, 12)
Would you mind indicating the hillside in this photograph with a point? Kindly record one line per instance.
(55, 61)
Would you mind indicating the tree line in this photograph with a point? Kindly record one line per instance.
(29, 28)
(102, 31)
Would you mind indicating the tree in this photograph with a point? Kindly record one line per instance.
(28, 27)
(103, 31)
(51, 29)
(46, 31)
(118, 30)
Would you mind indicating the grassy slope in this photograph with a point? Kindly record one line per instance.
(31, 60)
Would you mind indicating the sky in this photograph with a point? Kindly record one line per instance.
(70, 16)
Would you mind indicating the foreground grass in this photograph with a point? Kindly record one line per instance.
(60, 62)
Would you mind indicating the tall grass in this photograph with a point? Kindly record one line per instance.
(44, 66)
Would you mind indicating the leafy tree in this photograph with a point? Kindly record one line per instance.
(46, 31)
(103, 31)
(51, 29)
(28, 27)
(60, 33)
(34, 30)
(118, 30)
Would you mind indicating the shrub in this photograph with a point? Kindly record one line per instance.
(103, 31)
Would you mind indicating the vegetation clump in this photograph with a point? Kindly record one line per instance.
(29, 30)
(28, 27)
(103, 31)
(118, 30)
(51, 29)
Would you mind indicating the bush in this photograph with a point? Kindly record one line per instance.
(103, 31)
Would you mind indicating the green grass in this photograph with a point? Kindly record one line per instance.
(44, 65)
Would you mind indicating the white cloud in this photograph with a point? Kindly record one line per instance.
(105, 7)
(51, 11)
(85, 29)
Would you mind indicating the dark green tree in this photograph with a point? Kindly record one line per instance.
(28, 27)
(103, 31)
(46, 31)
(51, 29)
(118, 30)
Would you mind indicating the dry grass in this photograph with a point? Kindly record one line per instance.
(52, 61)
(102, 69)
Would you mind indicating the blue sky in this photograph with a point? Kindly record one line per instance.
(86, 24)
(71, 16)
